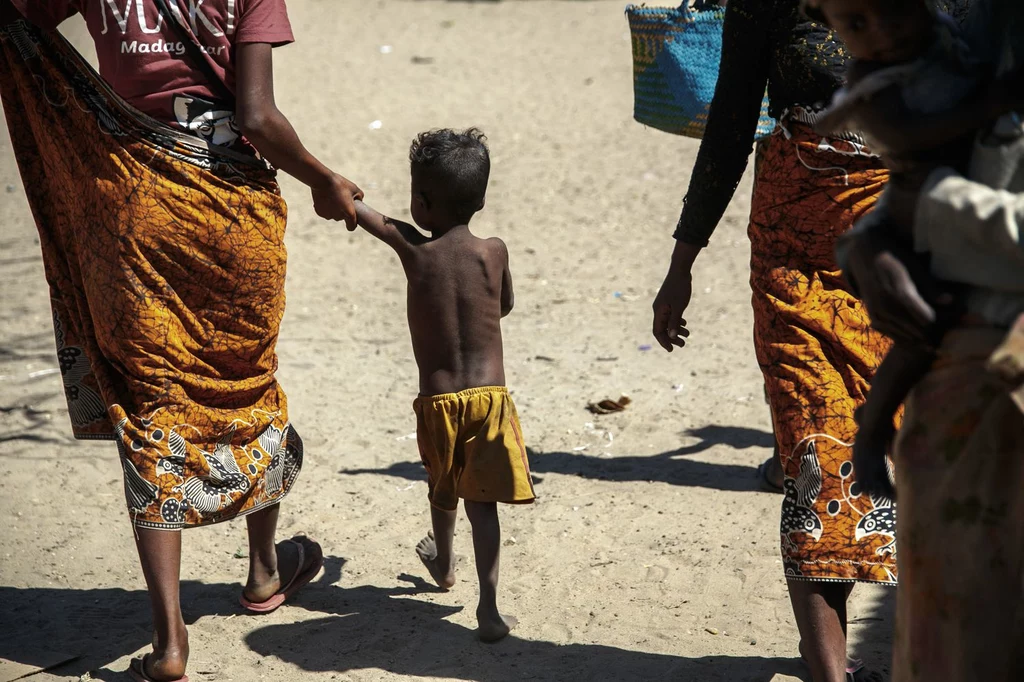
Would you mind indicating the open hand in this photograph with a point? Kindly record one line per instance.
(335, 200)
(669, 305)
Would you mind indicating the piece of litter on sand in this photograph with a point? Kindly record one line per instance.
(543, 358)
(408, 436)
(510, 541)
(580, 448)
(422, 60)
(376, 125)
(711, 631)
(408, 487)
(644, 347)
(608, 406)
(677, 387)
(607, 358)
(386, 49)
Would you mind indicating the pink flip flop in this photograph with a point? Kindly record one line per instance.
(137, 671)
(298, 581)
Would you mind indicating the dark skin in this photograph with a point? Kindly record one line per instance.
(459, 288)
(881, 33)
(272, 134)
(271, 565)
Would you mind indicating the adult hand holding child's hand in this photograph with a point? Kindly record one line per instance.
(335, 200)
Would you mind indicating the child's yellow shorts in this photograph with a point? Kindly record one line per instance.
(472, 446)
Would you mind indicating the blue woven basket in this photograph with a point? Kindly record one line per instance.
(676, 55)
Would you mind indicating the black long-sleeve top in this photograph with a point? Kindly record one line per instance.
(802, 62)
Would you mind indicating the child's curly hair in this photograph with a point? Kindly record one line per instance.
(457, 164)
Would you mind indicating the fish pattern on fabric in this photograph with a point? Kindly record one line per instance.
(817, 351)
(166, 268)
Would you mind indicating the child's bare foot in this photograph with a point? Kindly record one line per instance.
(444, 576)
(493, 626)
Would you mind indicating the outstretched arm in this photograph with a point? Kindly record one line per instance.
(272, 134)
(396, 234)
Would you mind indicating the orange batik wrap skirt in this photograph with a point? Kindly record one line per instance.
(817, 351)
(166, 264)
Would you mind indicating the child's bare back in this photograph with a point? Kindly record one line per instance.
(459, 289)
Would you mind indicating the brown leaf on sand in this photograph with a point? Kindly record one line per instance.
(609, 406)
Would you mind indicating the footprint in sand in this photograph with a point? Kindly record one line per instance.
(555, 632)
(656, 574)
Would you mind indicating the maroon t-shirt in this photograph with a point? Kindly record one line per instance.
(146, 62)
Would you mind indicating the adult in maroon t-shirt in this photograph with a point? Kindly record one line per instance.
(146, 61)
(148, 64)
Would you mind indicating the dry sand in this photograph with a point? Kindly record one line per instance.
(650, 554)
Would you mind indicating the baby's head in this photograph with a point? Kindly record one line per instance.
(449, 177)
(886, 31)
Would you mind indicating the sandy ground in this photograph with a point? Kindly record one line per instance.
(650, 554)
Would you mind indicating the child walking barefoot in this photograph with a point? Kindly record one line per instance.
(460, 287)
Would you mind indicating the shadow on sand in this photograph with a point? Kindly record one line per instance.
(667, 467)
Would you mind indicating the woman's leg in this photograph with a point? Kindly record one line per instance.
(820, 611)
(272, 566)
(160, 554)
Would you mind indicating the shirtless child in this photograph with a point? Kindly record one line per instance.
(460, 287)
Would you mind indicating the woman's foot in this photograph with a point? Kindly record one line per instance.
(856, 672)
(770, 475)
(164, 663)
(426, 550)
(492, 626)
(265, 581)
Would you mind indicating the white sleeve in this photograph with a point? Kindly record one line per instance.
(970, 229)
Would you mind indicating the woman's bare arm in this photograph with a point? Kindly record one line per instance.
(272, 134)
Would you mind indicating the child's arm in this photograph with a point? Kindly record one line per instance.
(903, 367)
(508, 297)
(272, 134)
(396, 234)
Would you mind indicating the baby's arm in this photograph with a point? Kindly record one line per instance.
(899, 372)
(508, 298)
(396, 234)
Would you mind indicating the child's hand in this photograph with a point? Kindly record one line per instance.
(335, 200)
